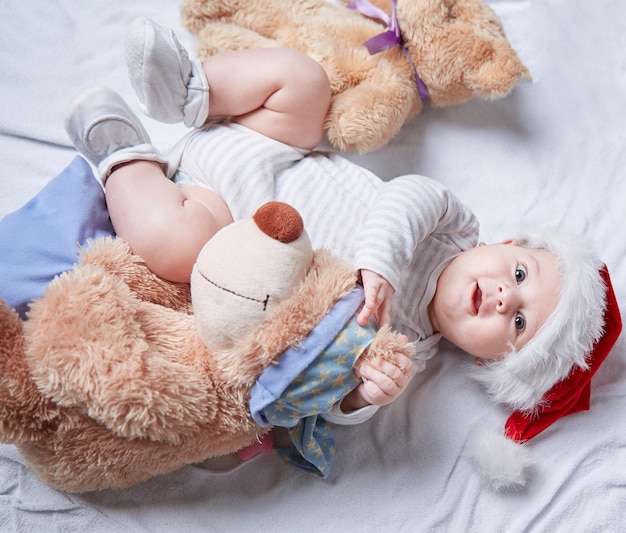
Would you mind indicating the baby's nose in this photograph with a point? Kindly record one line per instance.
(506, 297)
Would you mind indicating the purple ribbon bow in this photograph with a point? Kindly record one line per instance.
(389, 38)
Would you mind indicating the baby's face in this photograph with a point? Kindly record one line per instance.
(493, 297)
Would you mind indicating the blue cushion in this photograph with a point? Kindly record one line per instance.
(41, 239)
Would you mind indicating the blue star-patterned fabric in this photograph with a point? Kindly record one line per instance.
(323, 383)
(299, 398)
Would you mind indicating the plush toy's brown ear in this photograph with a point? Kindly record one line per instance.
(25, 415)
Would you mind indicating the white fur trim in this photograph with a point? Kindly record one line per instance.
(501, 461)
(522, 377)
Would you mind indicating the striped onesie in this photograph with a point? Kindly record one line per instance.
(406, 229)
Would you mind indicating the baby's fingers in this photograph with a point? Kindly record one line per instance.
(370, 307)
(383, 383)
(365, 314)
(383, 314)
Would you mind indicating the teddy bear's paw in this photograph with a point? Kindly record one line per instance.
(366, 117)
(387, 343)
(91, 345)
(114, 256)
(165, 410)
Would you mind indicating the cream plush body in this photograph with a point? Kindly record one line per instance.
(459, 48)
(109, 382)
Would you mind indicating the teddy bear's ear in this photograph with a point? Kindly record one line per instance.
(498, 73)
(493, 67)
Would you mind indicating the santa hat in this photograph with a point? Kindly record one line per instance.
(550, 376)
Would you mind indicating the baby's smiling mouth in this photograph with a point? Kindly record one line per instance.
(478, 297)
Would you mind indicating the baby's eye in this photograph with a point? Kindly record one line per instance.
(520, 273)
(520, 322)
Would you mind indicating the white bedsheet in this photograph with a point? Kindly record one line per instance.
(552, 153)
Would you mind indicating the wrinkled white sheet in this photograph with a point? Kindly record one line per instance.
(553, 153)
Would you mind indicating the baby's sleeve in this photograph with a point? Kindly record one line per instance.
(337, 416)
(408, 209)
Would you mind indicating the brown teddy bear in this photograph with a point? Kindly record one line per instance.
(109, 382)
(441, 51)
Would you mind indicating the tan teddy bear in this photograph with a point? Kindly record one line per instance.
(109, 383)
(441, 51)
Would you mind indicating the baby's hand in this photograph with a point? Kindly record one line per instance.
(378, 296)
(384, 381)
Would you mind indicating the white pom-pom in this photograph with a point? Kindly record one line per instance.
(501, 461)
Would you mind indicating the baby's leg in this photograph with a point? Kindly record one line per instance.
(163, 224)
(279, 92)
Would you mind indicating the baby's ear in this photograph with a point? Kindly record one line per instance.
(514, 242)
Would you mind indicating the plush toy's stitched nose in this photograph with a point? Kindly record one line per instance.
(279, 221)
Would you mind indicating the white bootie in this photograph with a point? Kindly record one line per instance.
(171, 86)
(106, 132)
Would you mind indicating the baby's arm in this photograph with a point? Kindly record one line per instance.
(407, 210)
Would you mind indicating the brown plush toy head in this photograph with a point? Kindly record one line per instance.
(441, 51)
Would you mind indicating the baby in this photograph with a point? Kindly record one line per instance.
(531, 308)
